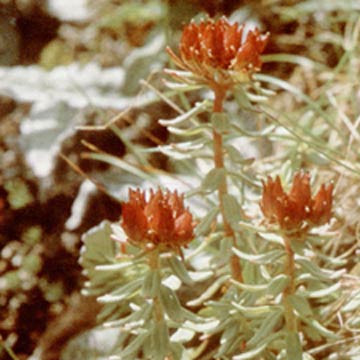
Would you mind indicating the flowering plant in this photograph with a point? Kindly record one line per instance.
(222, 280)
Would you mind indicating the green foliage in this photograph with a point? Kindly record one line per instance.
(137, 291)
(270, 312)
(232, 294)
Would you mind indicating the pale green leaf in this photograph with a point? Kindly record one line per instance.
(151, 284)
(202, 327)
(141, 316)
(301, 305)
(114, 267)
(134, 346)
(250, 287)
(160, 341)
(171, 303)
(293, 346)
(206, 222)
(209, 292)
(184, 150)
(267, 326)
(321, 293)
(252, 312)
(178, 351)
(232, 209)
(220, 122)
(230, 339)
(353, 302)
(213, 179)
(251, 354)
(278, 284)
(196, 110)
(261, 259)
(179, 270)
(192, 131)
(98, 247)
(313, 269)
(322, 330)
(124, 292)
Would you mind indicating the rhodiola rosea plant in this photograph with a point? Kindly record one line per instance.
(232, 264)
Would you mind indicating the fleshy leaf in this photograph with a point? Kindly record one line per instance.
(151, 284)
(251, 354)
(99, 251)
(180, 271)
(171, 304)
(293, 346)
(261, 259)
(206, 222)
(232, 209)
(301, 305)
(198, 109)
(267, 326)
(213, 179)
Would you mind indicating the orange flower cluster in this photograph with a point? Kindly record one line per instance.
(291, 211)
(215, 51)
(162, 220)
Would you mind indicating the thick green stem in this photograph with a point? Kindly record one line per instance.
(290, 317)
(220, 94)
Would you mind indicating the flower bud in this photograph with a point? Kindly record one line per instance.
(160, 220)
(294, 209)
(215, 52)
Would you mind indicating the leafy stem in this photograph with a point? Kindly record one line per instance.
(290, 318)
(220, 93)
(154, 264)
(293, 342)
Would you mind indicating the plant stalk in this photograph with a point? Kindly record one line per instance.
(154, 264)
(160, 335)
(290, 318)
(220, 93)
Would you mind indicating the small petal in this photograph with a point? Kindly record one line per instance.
(300, 194)
(321, 205)
(134, 221)
(273, 199)
(176, 202)
(184, 228)
(160, 219)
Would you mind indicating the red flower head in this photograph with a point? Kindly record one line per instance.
(215, 52)
(162, 220)
(292, 210)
